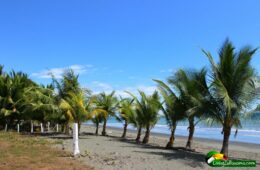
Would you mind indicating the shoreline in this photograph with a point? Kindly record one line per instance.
(184, 137)
(199, 144)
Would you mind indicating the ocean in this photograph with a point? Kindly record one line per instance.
(249, 133)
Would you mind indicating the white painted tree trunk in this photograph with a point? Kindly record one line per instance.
(31, 127)
(76, 151)
(5, 127)
(48, 126)
(57, 128)
(18, 128)
(42, 130)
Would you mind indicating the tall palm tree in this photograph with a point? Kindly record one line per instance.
(173, 108)
(233, 86)
(107, 103)
(148, 108)
(71, 98)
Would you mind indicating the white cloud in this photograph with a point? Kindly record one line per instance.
(134, 90)
(98, 87)
(167, 70)
(58, 72)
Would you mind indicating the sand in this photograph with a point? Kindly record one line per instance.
(112, 152)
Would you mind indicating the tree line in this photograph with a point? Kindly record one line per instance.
(222, 94)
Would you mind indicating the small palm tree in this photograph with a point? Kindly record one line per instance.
(147, 109)
(40, 103)
(12, 102)
(233, 86)
(99, 118)
(74, 107)
(126, 112)
(107, 103)
(135, 118)
(173, 108)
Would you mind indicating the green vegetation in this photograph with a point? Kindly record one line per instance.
(233, 86)
(223, 97)
(147, 109)
(107, 105)
(173, 109)
(126, 110)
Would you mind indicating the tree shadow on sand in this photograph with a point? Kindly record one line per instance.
(192, 159)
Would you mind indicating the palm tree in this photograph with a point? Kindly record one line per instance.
(74, 107)
(173, 108)
(147, 109)
(12, 102)
(135, 118)
(72, 99)
(107, 103)
(97, 120)
(233, 86)
(41, 103)
(126, 111)
(194, 91)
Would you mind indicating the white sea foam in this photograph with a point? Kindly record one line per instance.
(249, 135)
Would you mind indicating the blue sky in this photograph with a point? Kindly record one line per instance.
(121, 45)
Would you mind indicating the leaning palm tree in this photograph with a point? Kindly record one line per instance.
(173, 109)
(148, 108)
(107, 103)
(195, 94)
(126, 110)
(233, 86)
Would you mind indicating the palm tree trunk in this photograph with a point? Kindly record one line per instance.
(76, 151)
(191, 133)
(125, 129)
(147, 135)
(31, 126)
(224, 149)
(138, 135)
(79, 126)
(57, 128)
(104, 133)
(67, 129)
(172, 137)
(97, 126)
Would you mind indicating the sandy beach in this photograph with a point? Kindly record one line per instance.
(112, 152)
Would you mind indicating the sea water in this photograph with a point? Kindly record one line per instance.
(249, 133)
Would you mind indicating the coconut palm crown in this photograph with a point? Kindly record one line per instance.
(233, 86)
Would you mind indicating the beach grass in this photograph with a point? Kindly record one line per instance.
(26, 152)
